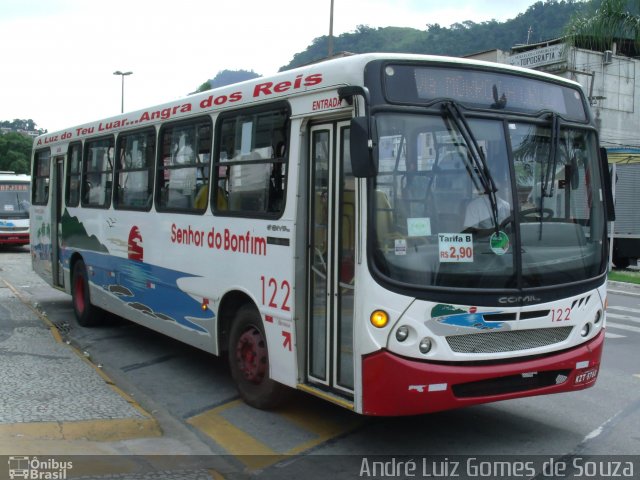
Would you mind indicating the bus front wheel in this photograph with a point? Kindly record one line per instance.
(87, 314)
(249, 361)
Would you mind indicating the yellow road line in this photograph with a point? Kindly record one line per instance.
(317, 421)
(215, 475)
(250, 451)
(255, 454)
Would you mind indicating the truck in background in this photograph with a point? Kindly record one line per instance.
(626, 228)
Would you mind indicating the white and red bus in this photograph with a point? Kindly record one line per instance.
(14, 208)
(398, 234)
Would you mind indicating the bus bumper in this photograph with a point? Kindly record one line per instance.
(394, 385)
(14, 238)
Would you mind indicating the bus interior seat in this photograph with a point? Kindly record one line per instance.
(385, 229)
(202, 197)
(451, 192)
(221, 199)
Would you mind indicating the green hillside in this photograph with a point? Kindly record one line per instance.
(542, 21)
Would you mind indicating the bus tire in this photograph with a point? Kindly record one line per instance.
(249, 361)
(87, 315)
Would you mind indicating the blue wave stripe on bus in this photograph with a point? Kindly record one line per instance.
(148, 288)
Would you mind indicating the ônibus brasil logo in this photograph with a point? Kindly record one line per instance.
(36, 469)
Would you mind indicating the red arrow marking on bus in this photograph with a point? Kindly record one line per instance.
(287, 340)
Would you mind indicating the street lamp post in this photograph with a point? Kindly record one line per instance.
(122, 74)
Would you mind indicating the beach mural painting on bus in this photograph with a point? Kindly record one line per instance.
(149, 289)
(446, 319)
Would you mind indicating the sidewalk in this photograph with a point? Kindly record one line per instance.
(53, 394)
(62, 417)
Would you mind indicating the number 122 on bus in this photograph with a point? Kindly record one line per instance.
(401, 235)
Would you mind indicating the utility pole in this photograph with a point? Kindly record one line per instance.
(330, 52)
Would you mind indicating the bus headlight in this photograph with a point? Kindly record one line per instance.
(379, 318)
(425, 345)
(402, 333)
(585, 329)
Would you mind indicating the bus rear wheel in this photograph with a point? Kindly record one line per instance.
(249, 361)
(87, 314)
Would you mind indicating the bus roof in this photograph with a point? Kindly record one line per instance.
(19, 177)
(346, 70)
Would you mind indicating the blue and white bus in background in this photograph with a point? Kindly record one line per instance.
(14, 208)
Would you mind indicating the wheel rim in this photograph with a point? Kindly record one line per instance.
(251, 355)
(78, 287)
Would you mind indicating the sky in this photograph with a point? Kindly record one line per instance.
(58, 56)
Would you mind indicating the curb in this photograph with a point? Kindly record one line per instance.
(623, 288)
(93, 430)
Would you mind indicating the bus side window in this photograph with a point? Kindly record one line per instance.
(97, 172)
(134, 170)
(251, 162)
(74, 158)
(183, 173)
(41, 174)
(276, 182)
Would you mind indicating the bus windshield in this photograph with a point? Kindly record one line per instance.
(14, 199)
(437, 224)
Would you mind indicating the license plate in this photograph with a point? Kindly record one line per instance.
(587, 376)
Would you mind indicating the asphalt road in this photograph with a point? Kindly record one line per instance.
(191, 395)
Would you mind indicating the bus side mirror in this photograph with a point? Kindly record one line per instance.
(608, 188)
(363, 159)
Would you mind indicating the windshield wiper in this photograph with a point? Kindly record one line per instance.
(547, 178)
(548, 185)
(478, 158)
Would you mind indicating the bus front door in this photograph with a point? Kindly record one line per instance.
(331, 257)
(56, 222)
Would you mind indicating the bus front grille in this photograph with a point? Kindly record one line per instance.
(509, 341)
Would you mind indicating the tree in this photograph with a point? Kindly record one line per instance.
(20, 124)
(204, 87)
(548, 19)
(15, 152)
(611, 22)
(227, 77)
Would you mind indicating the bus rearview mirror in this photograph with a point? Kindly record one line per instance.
(608, 188)
(363, 161)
